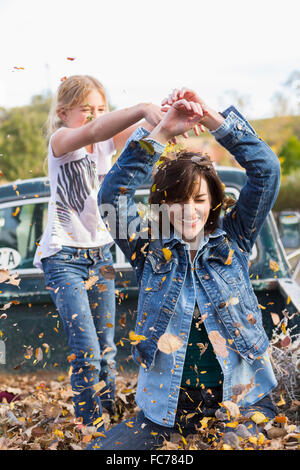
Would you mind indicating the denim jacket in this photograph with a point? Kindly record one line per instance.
(169, 288)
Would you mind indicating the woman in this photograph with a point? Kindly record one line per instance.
(194, 286)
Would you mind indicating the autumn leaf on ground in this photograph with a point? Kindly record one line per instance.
(169, 343)
(232, 408)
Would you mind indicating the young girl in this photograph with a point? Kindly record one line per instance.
(74, 251)
(199, 335)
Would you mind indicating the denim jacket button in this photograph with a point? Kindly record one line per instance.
(222, 304)
(206, 277)
(239, 126)
(236, 332)
(250, 356)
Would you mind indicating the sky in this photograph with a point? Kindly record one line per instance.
(141, 50)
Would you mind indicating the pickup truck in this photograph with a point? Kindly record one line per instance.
(31, 333)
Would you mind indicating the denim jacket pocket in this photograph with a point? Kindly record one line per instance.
(155, 273)
(228, 274)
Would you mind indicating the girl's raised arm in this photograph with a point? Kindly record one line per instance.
(103, 128)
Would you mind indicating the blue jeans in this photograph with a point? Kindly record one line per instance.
(139, 433)
(88, 316)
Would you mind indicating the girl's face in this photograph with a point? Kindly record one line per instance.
(189, 217)
(91, 108)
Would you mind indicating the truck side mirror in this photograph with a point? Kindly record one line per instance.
(289, 229)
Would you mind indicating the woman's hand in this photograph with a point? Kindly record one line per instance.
(211, 119)
(188, 95)
(180, 117)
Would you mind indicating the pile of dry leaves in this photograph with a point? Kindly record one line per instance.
(36, 413)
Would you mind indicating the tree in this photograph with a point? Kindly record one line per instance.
(290, 155)
(23, 145)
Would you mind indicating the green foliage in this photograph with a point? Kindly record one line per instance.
(22, 142)
(289, 193)
(290, 155)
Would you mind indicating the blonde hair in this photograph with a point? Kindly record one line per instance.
(71, 92)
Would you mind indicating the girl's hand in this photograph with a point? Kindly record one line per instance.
(180, 117)
(188, 95)
(152, 113)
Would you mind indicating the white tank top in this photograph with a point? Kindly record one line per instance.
(73, 214)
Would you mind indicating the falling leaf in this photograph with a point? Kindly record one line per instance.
(281, 402)
(90, 282)
(229, 258)
(274, 266)
(71, 58)
(8, 305)
(232, 301)
(108, 272)
(147, 146)
(17, 210)
(251, 319)
(63, 79)
(167, 254)
(123, 190)
(135, 339)
(218, 343)
(38, 354)
(8, 278)
(169, 343)
(275, 318)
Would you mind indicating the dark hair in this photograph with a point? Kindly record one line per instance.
(175, 181)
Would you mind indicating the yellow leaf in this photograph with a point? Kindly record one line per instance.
(229, 258)
(147, 146)
(232, 424)
(283, 328)
(183, 440)
(136, 338)
(226, 447)
(252, 439)
(274, 266)
(261, 439)
(281, 401)
(98, 421)
(259, 418)
(167, 254)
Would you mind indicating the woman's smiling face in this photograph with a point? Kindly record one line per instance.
(189, 217)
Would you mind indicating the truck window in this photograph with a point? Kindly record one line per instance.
(20, 227)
